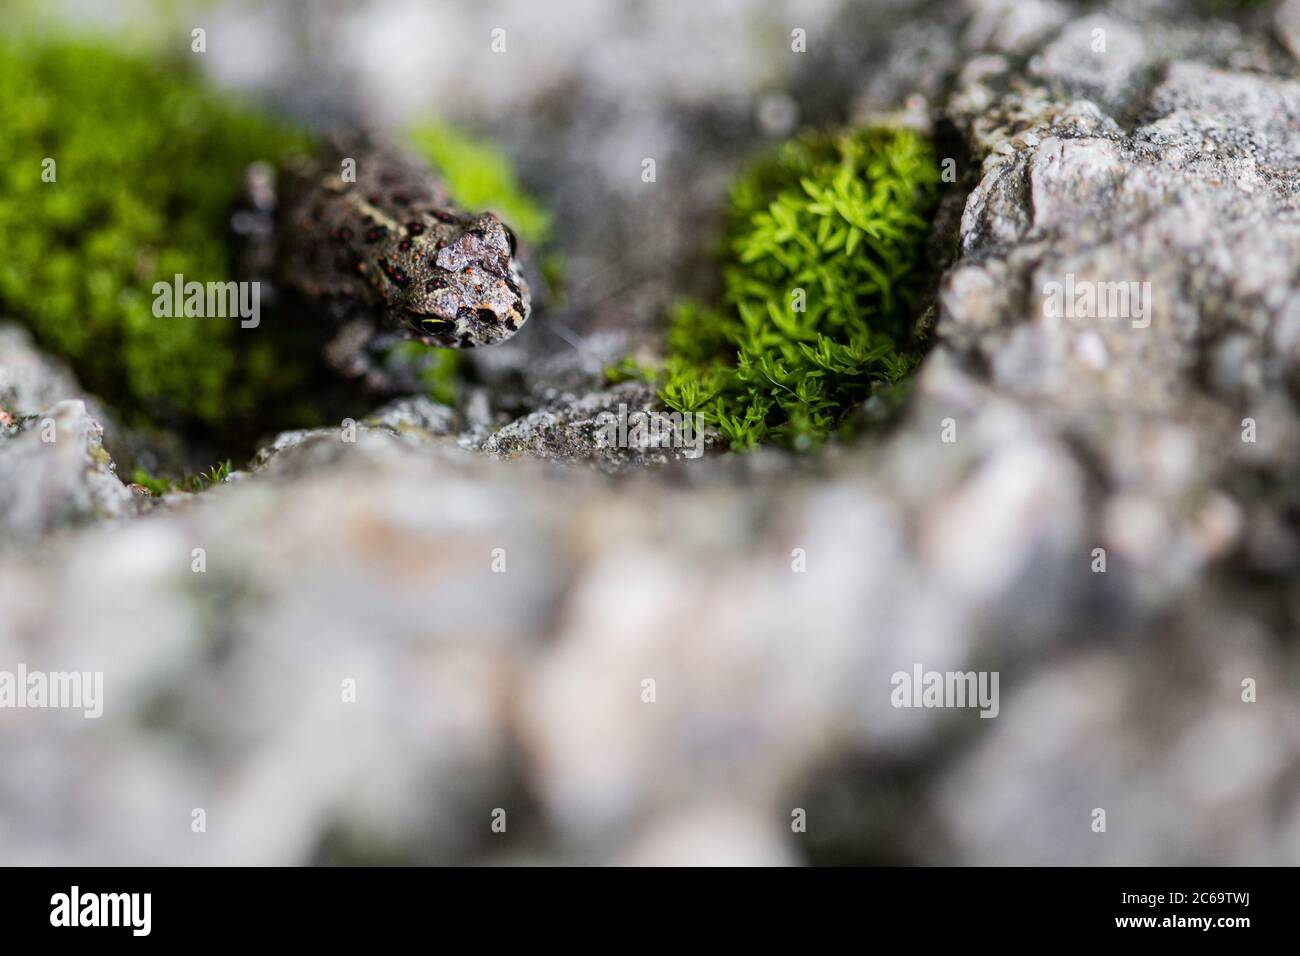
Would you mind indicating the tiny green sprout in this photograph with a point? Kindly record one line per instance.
(823, 241)
(206, 479)
(158, 485)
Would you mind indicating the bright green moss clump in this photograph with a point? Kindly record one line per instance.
(822, 247)
(480, 178)
(146, 163)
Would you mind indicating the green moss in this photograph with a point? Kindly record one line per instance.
(481, 177)
(158, 485)
(555, 274)
(631, 370)
(439, 369)
(147, 163)
(822, 246)
(206, 479)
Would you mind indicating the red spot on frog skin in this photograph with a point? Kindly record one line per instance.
(394, 273)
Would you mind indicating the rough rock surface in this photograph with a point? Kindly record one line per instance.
(54, 470)
(500, 616)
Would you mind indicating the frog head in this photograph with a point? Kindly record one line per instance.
(463, 288)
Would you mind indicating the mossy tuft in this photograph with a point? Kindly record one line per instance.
(145, 165)
(480, 177)
(823, 241)
(158, 485)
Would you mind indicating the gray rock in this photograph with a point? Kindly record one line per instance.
(419, 416)
(1287, 23)
(55, 473)
(29, 380)
(615, 429)
(1011, 26)
(1101, 57)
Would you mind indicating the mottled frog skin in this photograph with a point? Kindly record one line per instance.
(383, 257)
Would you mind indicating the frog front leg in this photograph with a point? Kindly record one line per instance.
(367, 351)
(252, 226)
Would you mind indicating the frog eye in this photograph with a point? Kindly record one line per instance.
(437, 326)
(510, 238)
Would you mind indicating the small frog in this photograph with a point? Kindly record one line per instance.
(383, 253)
